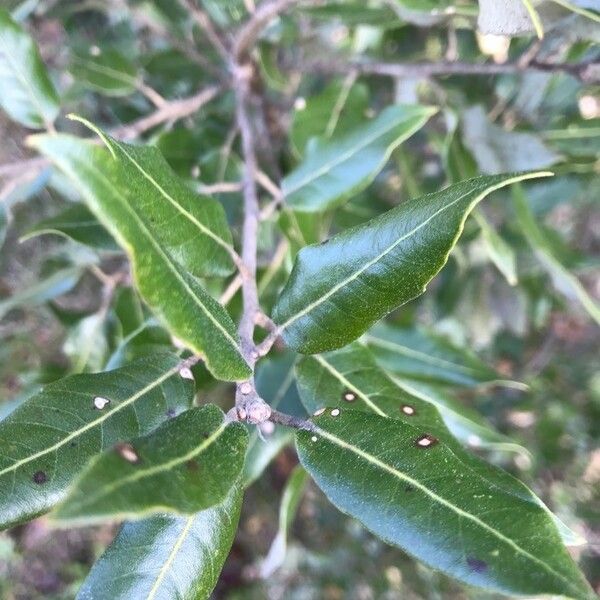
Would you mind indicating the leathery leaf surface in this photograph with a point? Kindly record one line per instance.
(413, 491)
(47, 441)
(175, 295)
(188, 464)
(167, 556)
(339, 288)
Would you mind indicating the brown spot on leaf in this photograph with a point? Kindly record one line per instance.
(192, 465)
(426, 441)
(40, 477)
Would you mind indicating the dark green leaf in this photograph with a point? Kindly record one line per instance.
(336, 110)
(154, 229)
(414, 492)
(189, 463)
(166, 556)
(420, 354)
(47, 441)
(26, 92)
(350, 377)
(76, 223)
(334, 170)
(338, 290)
(109, 72)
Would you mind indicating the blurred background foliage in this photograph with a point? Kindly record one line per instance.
(517, 302)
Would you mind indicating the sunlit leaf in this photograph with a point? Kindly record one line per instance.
(26, 92)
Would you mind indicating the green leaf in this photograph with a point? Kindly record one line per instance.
(189, 463)
(414, 492)
(44, 290)
(194, 228)
(420, 354)
(109, 73)
(76, 223)
(290, 500)
(335, 170)
(47, 441)
(337, 109)
(351, 377)
(562, 278)
(147, 223)
(26, 92)
(499, 251)
(337, 290)
(498, 151)
(166, 556)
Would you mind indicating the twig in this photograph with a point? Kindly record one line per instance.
(291, 421)
(251, 214)
(207, 27)
(249, 33)
(231, 290)
(587, 72)
(173, 110)
(224, 187)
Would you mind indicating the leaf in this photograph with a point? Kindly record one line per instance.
(194, 228)
(337, 109)
(166, 556)
(292, 494)
(175, 296)
(44, 290)
(497, 151)
(499, 251)
(47, 441)
(562, 278)
(189, 463)
(350, 377)
(76, 223)
(414, 492)
(420, 354)
(338, 290)
(26, 92)
(335, 170)
(109, 72)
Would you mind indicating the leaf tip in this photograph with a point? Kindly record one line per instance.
(95, 129)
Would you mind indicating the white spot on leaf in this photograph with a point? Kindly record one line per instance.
(186, 373)
(335, 412)
(100, 402)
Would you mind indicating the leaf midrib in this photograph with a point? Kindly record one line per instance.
(342, 157)
(205, 230)
(159, 250)
(437, 498)
(310, 307)
(93, 423)
(159, 468)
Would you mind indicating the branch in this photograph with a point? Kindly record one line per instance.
(174, 110)
(249, 33)
(587, 72)
(291, 421)
(207, 27)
